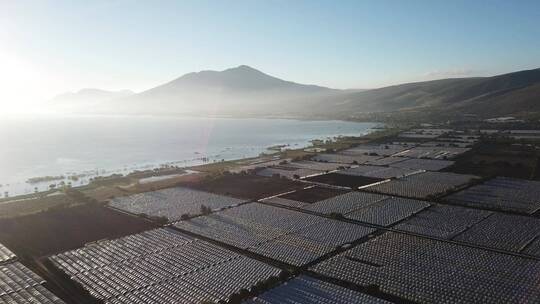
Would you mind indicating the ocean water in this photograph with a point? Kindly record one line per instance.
(90, 146)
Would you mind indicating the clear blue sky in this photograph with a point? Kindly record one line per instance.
(68, 45)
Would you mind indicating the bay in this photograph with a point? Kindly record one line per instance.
(101, 145)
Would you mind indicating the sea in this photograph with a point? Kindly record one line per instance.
(90, 146)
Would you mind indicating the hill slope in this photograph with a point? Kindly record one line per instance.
(85, 99)
(498, 95)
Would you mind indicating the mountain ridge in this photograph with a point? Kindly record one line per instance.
(231, 76)
(245, 91)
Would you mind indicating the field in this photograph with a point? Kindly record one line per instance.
(388, 211)
(429, 271)
(378, 171)
(314, 165)
(172, 204)
(313, 194)
(371, 149)
(152, 267)
(345, 159)
(284, 235)
(275, 240)
(442, 153)
(305, 290)
(443, 221)
(369, 208)
(19, 285)
(63, 229)
(342, 180)
(105, 192)
(287, 172)
(503, 231)
(29, 206)
(345, 203)
(503, 194)
(426, 185)
(423, 164)
(248, 186)
(497, 159)
(6, 255)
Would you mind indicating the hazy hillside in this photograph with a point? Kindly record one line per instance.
(85, 99)
(498, 95)
(244, 91)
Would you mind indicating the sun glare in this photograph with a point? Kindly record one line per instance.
(23, 85)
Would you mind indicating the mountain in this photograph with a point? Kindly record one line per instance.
(85, 99)
(507, 94)
(237, 91)
(247, 92)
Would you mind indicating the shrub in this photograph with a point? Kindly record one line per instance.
(205, 210)
(336, 215)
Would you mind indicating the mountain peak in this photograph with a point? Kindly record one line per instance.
(240, 68)
(243, 67)
(245, 71)
(242, 77)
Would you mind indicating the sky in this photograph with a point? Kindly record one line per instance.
(51, 47)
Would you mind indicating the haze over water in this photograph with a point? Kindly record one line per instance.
(67, 145)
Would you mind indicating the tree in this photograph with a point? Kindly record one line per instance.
(336, 215)
(161, 220)
(205, 210)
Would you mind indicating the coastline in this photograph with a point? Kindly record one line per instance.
(84, 178)
(103, 189)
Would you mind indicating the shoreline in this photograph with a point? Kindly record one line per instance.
(85, 178)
